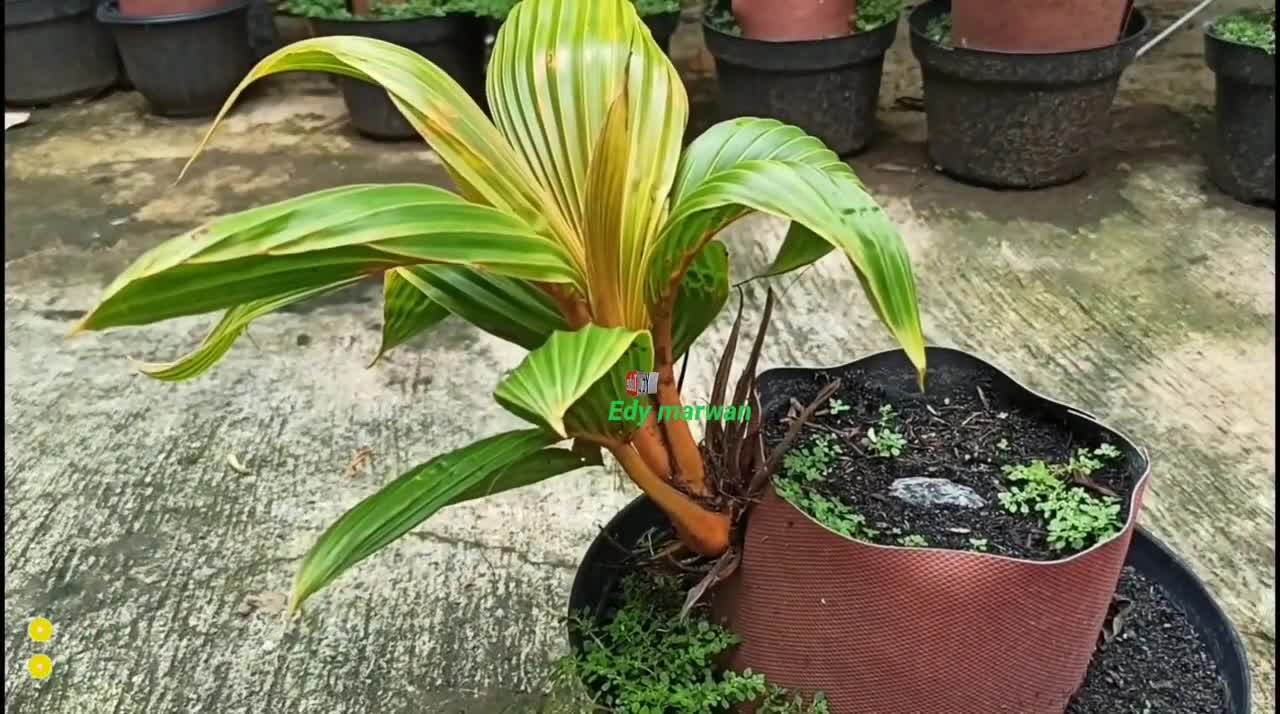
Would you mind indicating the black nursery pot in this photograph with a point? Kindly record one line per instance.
(829, 88)
(1243, 158)
(1017, 120)
(604, 566)
(55, 50)
(454, 43)
(184, 65)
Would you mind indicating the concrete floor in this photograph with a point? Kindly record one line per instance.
(1140, 293)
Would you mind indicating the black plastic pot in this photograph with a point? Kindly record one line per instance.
(829, 88)
(454, 43)
(1017, 120)
(184, 65)
(1243, 159)
(604, 566)
(662, 27)
(55, 50)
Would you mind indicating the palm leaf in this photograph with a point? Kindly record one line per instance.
(321, 239)
(223, 335)
(701, 297)
(406, 311)
(832, 206)
(507, 460)
(507, 308)
(554, 377)
(476, 154)
(585, 95)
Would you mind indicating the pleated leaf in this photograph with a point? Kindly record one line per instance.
(479, 158)
(510, 309)
(415, 496)
(321, 239)
(586, 96)
(406, 311)
(552, 378)
(832, 206)
(701, 297)
(755, 139)
(223, 335)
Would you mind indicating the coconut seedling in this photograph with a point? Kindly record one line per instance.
(579, 230)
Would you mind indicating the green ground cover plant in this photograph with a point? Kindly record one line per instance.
(1255, 28)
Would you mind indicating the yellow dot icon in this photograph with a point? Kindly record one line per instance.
(40, 666)
(40, 630)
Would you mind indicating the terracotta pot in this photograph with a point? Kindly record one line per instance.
(794, 20)
(1037, 26)
(360, 8)
(164, 8)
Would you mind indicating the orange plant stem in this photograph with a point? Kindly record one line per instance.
(702, 531)
(652, 446)
(684, 449)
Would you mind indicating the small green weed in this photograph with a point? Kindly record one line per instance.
(913, 541)
(938, 31)
(835, 406)
(883, 439)
(648, 660)
(1003, 444)
(979, 544)
(873, 14)
(1255, 28)
(647, 8)
(1075, 518)
(812, 463)
(828, 511)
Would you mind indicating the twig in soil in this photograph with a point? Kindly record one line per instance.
(723, 568)
(1115, 626)
(983, 398)
(793, 432)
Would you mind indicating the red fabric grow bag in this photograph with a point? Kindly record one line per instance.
(894, 630)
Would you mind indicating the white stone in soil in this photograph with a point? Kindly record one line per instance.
(925, 492)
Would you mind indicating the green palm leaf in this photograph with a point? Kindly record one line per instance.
(478, 157)
(557, 375)
(406, 311)
(321, 239)
(223, 335)
(832, 206)
(498, 463)
(585, 95)
(701, 297)
(510, 309)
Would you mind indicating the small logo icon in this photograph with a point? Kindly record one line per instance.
(641, 383)
(40, 630)
(40, 666)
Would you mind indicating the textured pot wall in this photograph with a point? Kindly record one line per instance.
(884, 629)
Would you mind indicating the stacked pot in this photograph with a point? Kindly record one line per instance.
(1242, 161)
(802, 64)
(54, 50)
(1020, 94)
(184, 56)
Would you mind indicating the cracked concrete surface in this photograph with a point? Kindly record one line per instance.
(1139, 293)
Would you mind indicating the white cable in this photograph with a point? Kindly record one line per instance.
(1181, 21)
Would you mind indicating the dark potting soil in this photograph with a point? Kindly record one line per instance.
(1155, 663)
(961, 430)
